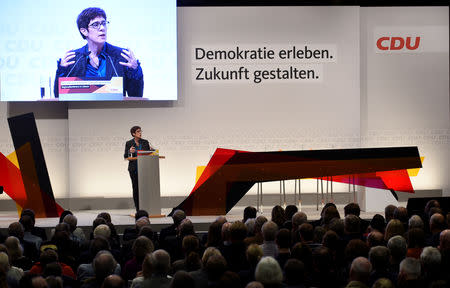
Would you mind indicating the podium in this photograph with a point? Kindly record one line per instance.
(148, 181)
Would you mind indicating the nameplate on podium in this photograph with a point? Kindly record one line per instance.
(87, 88)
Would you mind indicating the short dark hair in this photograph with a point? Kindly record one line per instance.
(352, 208)
(87, 15)
(134, 129)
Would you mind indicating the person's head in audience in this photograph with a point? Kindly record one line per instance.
(259, 222)
(48, 256)
(142, 222)
(356, 248)
(4, 262)
(104, 265)
(182, 279)
(298, 219)
(416, 238)
(178, 216)
(337, 225)
(283, 239)
(27, 223)
(383, 283)
(379, 258)
(146, 231)
(185, 228)
(249, 212)
(54, 281)
(302, 252)
(254, 253)
(444, 241)
(190, 243)
(375, 238)
(221, 219)
(398, 248)
(238, 232)
(430, 204)
(254, 284)
(72, 221)
(102, 230)
(141, 213)
(306, 232)
(360, 270)
(435, 210)
(294, 272)
(210, 251)
(106, 216)
(38, 282)
(437, 223)
(226, 235)
(98, 221)
(229, 279)
(214, 237)
(98, 244)
(215, 267)
(389, 212)
(319, 232)
(278, 215)
(12, 244)
(353, 209)
(322, 260)
(329, 213)
(269, 231)
(250, 224)
(331, 240)
(401, 214)
(393, 228)
(52, 269)
(141, 247)
(430, 258)
(377, 223)
(159, 262)
(30, 213)
(415, 222)
(268, 272)
(352, 224)
(289, 211)
(16, 229)
(113, 281)
(410, 270)
(329, 204)
(64, 214)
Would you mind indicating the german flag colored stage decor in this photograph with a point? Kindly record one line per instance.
(231, 173)
(23, 174)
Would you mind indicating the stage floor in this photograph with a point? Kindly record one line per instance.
(121, 218)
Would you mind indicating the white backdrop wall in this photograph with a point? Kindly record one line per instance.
(343, 109)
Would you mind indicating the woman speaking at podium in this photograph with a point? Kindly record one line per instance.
(131, 148)
(99, 58)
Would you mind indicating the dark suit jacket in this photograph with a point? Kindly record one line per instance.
(143, 145)
(133, 80)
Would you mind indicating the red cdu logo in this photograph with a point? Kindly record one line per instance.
(398, 43)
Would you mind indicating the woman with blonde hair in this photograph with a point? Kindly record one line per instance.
(394, 228)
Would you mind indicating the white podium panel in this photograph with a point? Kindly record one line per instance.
(377, 199)
(149, 187)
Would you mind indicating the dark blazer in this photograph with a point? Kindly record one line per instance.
(144, 144)
(133, 79)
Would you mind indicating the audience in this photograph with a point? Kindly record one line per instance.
(287, 251)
